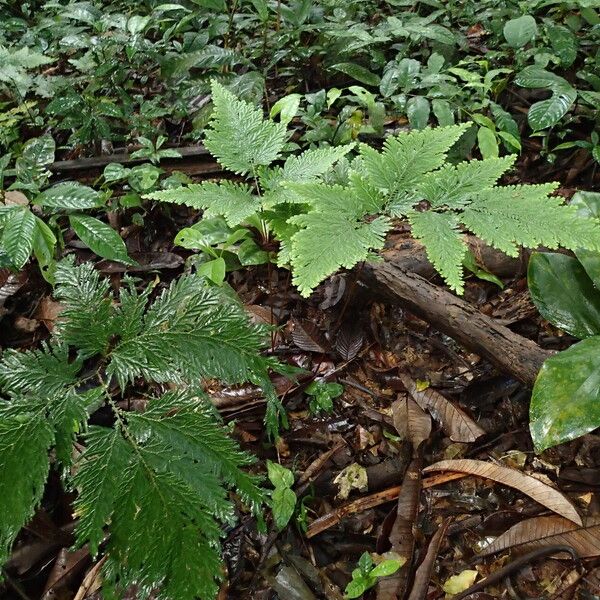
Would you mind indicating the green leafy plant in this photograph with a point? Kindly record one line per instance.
(322, 395)
(323, 227)
(158, 479)
(154, 151)
(23, 232)
(367, 572)
(283, 497)
(566, 397)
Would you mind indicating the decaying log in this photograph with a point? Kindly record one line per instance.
(509, 352)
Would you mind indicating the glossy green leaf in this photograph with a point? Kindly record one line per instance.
(284, 501)
(44, 245)
(520, 31)
(566, 397)
(100, 238)
(17, 237)
(214, 270)
(564, 294)
(279, 476)
(357, 72)
(69, 195)
(549, 112)
(488, 145)
(417, 111)
(386, 567)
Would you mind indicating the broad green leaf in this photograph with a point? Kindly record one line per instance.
(100, 238)
(566, 396)
(443, 112)
(564, 294)
(279, 476)
(417, 111)
(207, 232)
(357, 72)
(549, 112)
(213, 269)
(287, 107)
(386, 567)
(520, 31)
(357, 587)
(284, 501)
(115, 172)
(588, 205)
(69, 195)
(44, 245)
(488, 145)
(17, 237)
(249, 253)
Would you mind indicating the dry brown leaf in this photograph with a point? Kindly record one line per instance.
(548, 531)
(306, 336)
(423, 573)
(401, 536)
(535, 489)
(457, 424)
(410, 421)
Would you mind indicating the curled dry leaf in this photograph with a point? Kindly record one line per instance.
(540, 492)
(401, 537)
(457, 424)
(410, 421)
(540, 532)
(349, 340)
(423, 573)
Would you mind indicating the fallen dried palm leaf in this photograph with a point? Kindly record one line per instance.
(534, 488)
(540, 532)
(457, 424)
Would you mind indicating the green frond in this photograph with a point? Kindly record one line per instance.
(161, 537)
(234, 201)
(185, 424)
(191, 331)
(24, 443)
(453, 186)
(444, 244)
(329, 241)
(407, 157)
(526, 215)
(45, 370)
(99, 472)
(239, 137)
(308, 167)
(87, 319)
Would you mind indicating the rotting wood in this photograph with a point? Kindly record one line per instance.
(509, 352)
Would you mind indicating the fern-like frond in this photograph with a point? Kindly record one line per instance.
(161, 480)
(234, 201)
(24, 443)
(445, 247)
(239, 137)
(186, 424)
(406, 158)
(526, 215)
(161, 538)
(87, 319)
(453, 186)
(329, 241)
(45, 370)
(191, 331)
(99, 472)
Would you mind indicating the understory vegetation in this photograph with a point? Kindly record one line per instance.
(208, 212)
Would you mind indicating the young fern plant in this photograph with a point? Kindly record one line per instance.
(153, 489)
(322, 226)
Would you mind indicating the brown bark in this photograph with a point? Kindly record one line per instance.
(508, 351)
